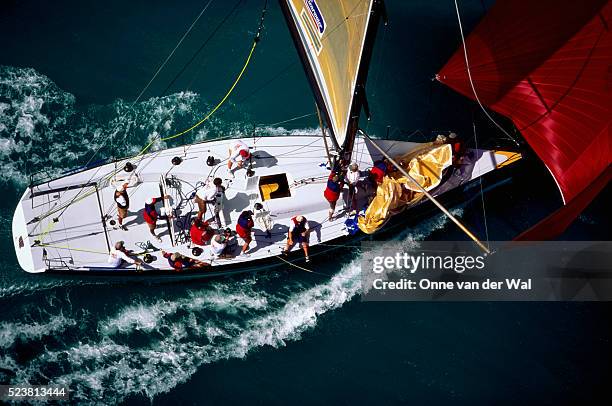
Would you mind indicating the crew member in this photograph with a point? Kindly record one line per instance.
(218, 244)
(353, 180)
(200, 232)
(150, 215)
(180, 262)
(335, 183)
(122, 199)
(379, 170)
(457, 146)
(120, 256)
(298, 234)
(244, 229)
(238, 154)
(211, 194)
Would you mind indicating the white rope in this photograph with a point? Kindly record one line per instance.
(173, 51)
(469, 72)
(291, 119)
(484, 212)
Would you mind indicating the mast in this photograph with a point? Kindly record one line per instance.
(359, 98)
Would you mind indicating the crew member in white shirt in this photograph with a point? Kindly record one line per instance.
(119, 256)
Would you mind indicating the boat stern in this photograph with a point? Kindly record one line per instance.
(21, 240)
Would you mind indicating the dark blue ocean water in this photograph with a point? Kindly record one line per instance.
(69, 72)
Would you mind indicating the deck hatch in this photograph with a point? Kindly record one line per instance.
(274, 186)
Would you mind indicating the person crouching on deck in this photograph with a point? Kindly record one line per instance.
(122, 199)
(244, 229)
(119, 256)
(238, 154)
(335, 183)
(200, 232)
(150, 215)
(298, 234)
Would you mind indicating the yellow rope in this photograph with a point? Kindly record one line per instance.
(223, 100)
(229, 92)
(90, 251)
(47, 230)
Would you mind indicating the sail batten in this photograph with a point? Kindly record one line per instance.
(331, 37)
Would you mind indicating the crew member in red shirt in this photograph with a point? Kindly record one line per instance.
(244, 229)
(200, 232)
(150, 214)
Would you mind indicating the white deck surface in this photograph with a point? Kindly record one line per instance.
(80, 241)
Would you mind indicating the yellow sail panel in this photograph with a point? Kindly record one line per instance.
(332, 34)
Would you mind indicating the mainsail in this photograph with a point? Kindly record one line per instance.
(334, 39)
(546, 65)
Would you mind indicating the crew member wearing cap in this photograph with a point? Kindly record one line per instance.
(218, 245)
(238, 154)
(122, 199)
(298, 234)
(119, 256)
(244, 228)
(150, 214)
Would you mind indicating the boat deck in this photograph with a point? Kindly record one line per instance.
(80, 240)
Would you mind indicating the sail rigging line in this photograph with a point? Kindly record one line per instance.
(111, 137)
(112, 173)
(206, 41)
(428, 195)
(173, 51)
(469, 73)
(280, 73)
(379, 64)
(482, 199)
(329, 160)
(291, 119)
(227, 94)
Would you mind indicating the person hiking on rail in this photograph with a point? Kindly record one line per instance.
(180, 262)
(122, 199)
(298, 234)
(119, 256)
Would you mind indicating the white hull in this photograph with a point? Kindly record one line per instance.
(79, 241)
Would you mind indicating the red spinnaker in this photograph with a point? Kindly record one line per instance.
(547, 65)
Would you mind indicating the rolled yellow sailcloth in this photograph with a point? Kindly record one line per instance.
(397, 191)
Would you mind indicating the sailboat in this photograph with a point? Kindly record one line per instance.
(70, 224)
